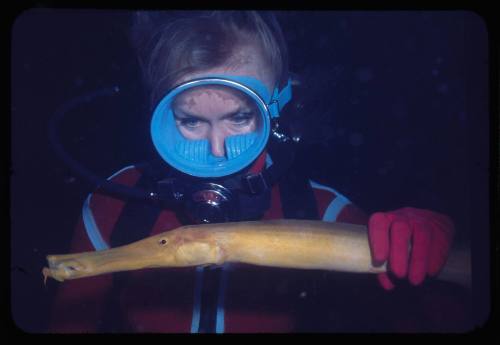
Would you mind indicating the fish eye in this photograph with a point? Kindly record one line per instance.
(163, 241)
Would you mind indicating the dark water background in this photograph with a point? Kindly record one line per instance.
(394, 113)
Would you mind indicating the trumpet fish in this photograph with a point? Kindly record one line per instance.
(285, 243)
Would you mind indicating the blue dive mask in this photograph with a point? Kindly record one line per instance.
(194, 157)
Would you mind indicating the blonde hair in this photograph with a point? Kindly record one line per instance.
(174, 43)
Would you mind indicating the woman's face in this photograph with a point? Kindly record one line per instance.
(216, 112)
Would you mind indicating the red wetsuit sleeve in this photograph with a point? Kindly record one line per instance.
(352, 214)
(334, 207)
(79, 304)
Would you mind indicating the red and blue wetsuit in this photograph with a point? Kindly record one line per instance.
(247, 298)
(250, 299)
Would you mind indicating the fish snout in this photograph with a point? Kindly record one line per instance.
(63, 269)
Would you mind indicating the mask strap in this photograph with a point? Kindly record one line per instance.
(280, 99)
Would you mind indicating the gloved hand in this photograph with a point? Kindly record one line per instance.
(415, 243)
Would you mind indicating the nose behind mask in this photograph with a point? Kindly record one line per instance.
(199, 151)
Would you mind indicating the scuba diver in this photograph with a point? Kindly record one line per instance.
(219, 83)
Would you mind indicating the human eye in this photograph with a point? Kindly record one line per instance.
(189, 122)
(242, 118)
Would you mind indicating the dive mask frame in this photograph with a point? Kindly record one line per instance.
(190, 157)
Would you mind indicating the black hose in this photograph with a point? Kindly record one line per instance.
(114, 188)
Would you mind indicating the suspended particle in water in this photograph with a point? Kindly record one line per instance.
(364, 74)
(356, 139)
(69, 179)
(442, 88)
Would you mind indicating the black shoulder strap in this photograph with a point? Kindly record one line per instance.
(138, 216)
(297, 197)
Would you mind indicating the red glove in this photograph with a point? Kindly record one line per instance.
(391, 233)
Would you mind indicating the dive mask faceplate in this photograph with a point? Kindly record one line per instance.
(194, 157)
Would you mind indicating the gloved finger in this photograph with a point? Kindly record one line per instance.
(439, 248)
(378, 236)
(385, 281)
(444, 223)
(419, 252)
(400, 234)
